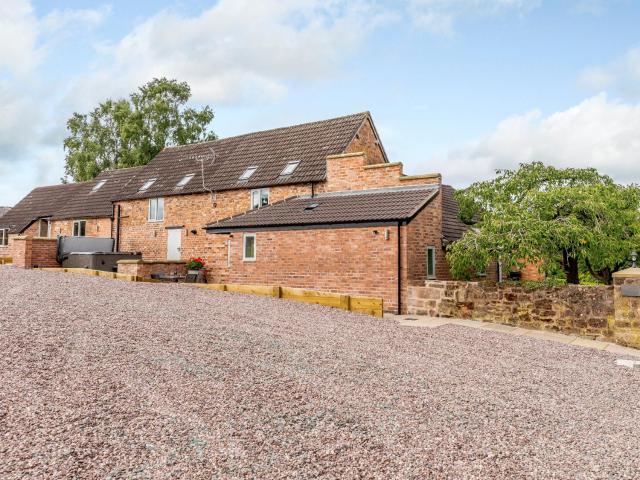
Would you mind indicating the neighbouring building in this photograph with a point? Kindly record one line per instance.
(79, 209)
(316, 205)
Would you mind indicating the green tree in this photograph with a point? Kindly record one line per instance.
(130, 132)
(575, 217)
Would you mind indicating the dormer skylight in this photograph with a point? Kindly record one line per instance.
(98, 186)
(290, 168)
(247, 173)
(147, 185)
(186, 179)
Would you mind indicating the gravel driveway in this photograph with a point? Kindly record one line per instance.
(108, 379)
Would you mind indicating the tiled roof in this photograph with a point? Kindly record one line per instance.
(4, 210)
(452, 227)
(93, 204)
(40, 202)
(72, 200)
(381, 205)
(226, 159)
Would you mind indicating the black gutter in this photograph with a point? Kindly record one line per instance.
(309, 226)
(399, 271)
(117, 245)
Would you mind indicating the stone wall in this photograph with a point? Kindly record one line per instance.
(579, 309)
(627, 305)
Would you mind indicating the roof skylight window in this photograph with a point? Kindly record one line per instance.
(247, 173)
(186, 179)
(312, 206)
(147, 185)
(290, 168)
(98, 186)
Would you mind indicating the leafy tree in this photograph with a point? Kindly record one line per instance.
(130, 132)
(576, 217)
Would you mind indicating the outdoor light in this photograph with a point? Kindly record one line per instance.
(634, 259)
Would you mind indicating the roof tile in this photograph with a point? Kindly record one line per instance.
(331, 208)
(223, 161)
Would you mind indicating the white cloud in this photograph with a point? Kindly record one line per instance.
(238, 50)
(439, 16)
(621, 76)
(598, 133)
(24, 37)
(86, 18)
(18, 37)
(31, 129)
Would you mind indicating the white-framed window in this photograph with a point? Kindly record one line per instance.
(44, 228)
(186, 179)
(290, 168)
(147, 185)
(79, 228)
(249, 247)
(4, 237)
(156, 209)
(246, 175)
(98, 186)
(431, 262)
(259, 197)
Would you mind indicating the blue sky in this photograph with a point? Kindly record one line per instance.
(457, 86)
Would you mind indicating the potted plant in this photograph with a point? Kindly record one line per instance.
(195, 266)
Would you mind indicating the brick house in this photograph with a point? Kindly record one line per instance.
(373, 231)
(80, 209)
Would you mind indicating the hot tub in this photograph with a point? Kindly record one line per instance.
(105, 261)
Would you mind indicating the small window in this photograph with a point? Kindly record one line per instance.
(431, 262)
(259, 197)
(147, 185)
(311, 206)
(247, 173)
(98, 186)
(156, 209)
(44, 229)
(79, 228)
(4, 237)
(186, 179)
(290, 168)
(249, 247)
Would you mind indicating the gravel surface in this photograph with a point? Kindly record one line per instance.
(108, 379)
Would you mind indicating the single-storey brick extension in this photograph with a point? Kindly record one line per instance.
(316, 205)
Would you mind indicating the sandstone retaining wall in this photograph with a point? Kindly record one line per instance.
(580, 309)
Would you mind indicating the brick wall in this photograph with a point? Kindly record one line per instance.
(95, 227)
(190, 213)
(367, 142)
(30, 252)
(353, 171)
(531, 273)
(357, 261)
(582, 309)
(424, 231)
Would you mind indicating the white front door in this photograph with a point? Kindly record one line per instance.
(174, 241)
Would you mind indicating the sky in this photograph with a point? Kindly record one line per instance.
(460, 87)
